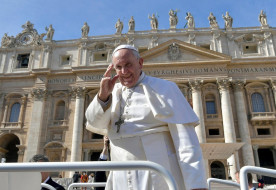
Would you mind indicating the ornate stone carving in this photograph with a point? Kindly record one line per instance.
(238, 84)
(131, 24)
(39, 93)
(28, 36)
(228, 20)
(153, 42)
(195, 84)
(173, 51)
(273, 84)
(255, 147)
(119, 27)
(130, 41)
(213, 21)
(78, 92)
(85, 30)
(153, 22)
(173, 18)
(223, 83)
(190, 21)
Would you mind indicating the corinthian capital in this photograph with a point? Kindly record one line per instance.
(39, 93)
(238, 84)
(195, 84)
(78, 92)
(223, 83)
(273, 84)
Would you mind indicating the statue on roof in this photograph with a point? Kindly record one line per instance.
(153, 22)
(190, 20)
(173, 18)
(228, 20)
(50, 33)
(213, 21)
(119, 27)
(262, 18)
(131, 24)
(85, 30)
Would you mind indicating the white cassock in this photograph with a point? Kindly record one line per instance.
(158, 126)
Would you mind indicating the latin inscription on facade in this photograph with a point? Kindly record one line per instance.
(174, 72)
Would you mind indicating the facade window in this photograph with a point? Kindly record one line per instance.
(210, 104)
(60, 110)
(247, 49)
(100, 56)
(213, 131)
(263, 131)
(211, 107)
(15, 110)
(257, 102)
(23, 60)
(65, 60)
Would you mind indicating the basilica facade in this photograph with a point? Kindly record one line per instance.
(227, 74)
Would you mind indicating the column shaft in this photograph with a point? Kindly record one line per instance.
(78, 126)
(228, 122)
(247, 152)
(34, 132)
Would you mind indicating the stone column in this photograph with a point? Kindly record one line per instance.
(256, 155)
(22, 108)
(197, 106)
(21, 150)
(86, 155)
(273, 150)
(4, 119)
(228, 121)
(273, 86)
(76, 151)
(247, 152)
(35, 128)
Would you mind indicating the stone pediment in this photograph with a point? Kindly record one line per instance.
(176, 51)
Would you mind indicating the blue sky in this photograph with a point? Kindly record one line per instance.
(68, 16)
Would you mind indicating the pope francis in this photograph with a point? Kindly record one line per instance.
(146, 118)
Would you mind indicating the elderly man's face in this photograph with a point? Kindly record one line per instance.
(127, 66)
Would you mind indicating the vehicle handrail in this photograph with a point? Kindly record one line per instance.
(47, 186)
(98, 184)
(256, 170)
(92, 166)
(221, 181)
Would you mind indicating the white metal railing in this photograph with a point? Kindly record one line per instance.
(92, 166)
(86, 185)
(255, 170)
(221, 181)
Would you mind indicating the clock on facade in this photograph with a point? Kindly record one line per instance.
(26, 38)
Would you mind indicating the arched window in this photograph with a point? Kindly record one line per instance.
(60, 110)
(210, 104)
(14, 114)
(257, 102)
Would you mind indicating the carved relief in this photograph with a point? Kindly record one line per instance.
(173, 52)
(28, 36)
(39, 93)
(78, 92)
(195, 84)
(223, 83)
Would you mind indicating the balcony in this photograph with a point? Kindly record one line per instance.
(11, 125)
(211, 116)
(262, 118)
